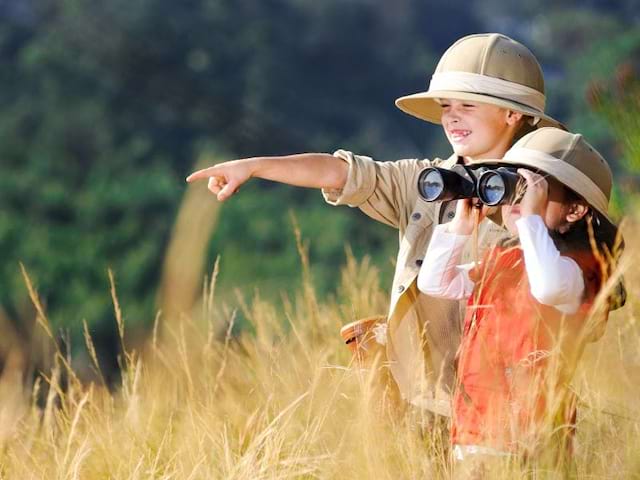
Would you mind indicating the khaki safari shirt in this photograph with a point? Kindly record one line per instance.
(423, 333)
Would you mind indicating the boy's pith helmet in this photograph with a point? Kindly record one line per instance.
(568, 158)
(487, 68)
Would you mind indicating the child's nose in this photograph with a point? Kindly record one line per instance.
(452, 114)
(449, 117)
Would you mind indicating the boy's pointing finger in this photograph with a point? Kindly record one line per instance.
(204, 173)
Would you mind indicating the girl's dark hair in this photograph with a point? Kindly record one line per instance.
(593, 227)
(596, 235)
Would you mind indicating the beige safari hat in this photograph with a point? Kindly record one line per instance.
(568, 158)
(488, 68)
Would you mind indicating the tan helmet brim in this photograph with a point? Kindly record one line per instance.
(424, 105)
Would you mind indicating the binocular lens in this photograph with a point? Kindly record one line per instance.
(432, 185)
(492, 188)
(499, 186)
(445, 184)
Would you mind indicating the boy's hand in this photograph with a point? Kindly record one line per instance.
(225, 178)
(467, 214)
(536, 195)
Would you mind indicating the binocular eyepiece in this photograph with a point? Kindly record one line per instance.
(493, 186)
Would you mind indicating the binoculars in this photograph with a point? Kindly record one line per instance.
(492, 185)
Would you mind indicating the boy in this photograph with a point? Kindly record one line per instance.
(487, 91)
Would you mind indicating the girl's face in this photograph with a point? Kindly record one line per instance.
(478, 130)
(555, 212)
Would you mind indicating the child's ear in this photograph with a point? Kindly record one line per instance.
(576, 211)
(513, 117)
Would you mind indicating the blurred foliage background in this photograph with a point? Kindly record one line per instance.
(106, 106)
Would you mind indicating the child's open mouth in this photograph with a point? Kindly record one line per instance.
(459, 135)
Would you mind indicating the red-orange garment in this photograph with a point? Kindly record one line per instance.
(517, 357)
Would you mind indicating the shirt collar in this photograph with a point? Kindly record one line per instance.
(451, 161)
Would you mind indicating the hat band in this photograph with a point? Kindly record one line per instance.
(483, 84)
(564, 172)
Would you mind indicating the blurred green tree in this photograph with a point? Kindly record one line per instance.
(106, 105)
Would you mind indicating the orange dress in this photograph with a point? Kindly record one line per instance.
(517, 357)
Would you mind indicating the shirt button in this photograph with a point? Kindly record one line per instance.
(416, 216)
(401, 289)
(451, 215)
(419, 262)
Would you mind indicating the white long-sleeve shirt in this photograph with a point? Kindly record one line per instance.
(554, 280)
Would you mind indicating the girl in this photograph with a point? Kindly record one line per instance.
(531, 299)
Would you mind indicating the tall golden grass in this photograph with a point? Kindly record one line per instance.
(277, 399)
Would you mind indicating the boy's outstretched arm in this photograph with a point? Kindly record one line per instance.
(313, 170)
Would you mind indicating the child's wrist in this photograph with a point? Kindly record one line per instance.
(258, 167)
(528, 210)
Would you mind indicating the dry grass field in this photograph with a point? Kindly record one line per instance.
(277, 399)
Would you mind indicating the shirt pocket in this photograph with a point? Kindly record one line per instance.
(415, 240)
(420, 220)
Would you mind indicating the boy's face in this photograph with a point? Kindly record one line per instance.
(478, 130)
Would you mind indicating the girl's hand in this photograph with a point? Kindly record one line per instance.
(534, 201)
(467, 214)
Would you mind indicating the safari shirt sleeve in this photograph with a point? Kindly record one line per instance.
(385, 191)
